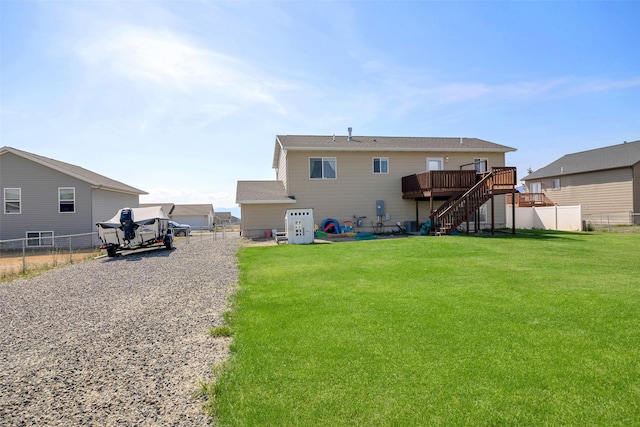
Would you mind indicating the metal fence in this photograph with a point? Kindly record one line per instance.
(220, 232)
(609, 221)
(17, 256)
(20, 255)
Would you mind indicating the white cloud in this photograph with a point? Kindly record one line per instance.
(168, 60)
(188, 196)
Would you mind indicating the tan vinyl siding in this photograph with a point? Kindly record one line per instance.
(603, 194)
(257, 218)
(636, 189)
(357, 188)
(282, 168)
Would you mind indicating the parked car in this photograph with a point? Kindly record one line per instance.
(179, 229)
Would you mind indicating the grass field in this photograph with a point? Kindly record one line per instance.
(535, 329)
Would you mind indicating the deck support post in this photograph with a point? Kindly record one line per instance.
(466, 214)
(493, 214)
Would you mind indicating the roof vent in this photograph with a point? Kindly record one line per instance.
(460, 141)
(349, 138)
(334, 137)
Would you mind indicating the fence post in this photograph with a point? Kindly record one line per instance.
(24, 257)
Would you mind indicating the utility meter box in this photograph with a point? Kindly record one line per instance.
(299, 225)
(380, 207)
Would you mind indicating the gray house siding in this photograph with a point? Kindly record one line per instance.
(107, 203)
(39, 200)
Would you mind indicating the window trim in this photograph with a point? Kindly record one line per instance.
(478, 161)
(39, 238)
(322, 162)
(553, 184)
(538, 184)
(19, 200)
(60, 200)
(439, 159)
(380, 160)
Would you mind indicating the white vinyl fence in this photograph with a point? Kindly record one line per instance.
(565, 218)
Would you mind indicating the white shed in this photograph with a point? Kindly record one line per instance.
(299, 225)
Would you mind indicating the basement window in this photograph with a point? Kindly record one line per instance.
(39, 238)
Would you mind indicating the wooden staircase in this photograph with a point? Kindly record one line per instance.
(459, 209)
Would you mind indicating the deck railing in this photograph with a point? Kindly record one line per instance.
(451, 215)
(438, 181)
(526, 200)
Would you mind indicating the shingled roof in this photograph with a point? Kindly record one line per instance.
(192, 210)
(261, 192)
(78, 172)
(382, 143)
(612, 157)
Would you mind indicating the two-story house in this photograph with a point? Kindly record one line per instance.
(43, 198)
(604, 181)
(373, 181)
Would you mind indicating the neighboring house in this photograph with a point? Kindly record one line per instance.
(43, 198)
(167, 208)
(225, 218)
(378, 180)
(604, 181)
(199, 216)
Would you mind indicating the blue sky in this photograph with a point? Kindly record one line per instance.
(184, 98)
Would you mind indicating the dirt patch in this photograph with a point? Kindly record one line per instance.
(14, 264)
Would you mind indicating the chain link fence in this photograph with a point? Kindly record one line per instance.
(45, 250)
(611, 221)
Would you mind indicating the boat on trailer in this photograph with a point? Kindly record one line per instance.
(133, 228)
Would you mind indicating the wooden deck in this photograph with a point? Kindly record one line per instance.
(454, 182)
(527, 200)
(466, 190)
(437, 183)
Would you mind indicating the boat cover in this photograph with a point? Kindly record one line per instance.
(141, 216)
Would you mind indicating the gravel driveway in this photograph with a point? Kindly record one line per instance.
(116, 341)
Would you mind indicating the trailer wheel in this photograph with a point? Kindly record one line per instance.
(111, 252)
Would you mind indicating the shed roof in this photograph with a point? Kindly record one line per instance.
(255, 192)
(612, 157)
(78, 172)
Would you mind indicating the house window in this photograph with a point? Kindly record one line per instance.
(39, 238)
(67, 199)
(535, 187)
(435, 163)
(322, 167)
(380, 165)
(555, 184)
(12, 200)
(480, 164)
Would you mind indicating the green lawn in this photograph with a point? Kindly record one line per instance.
(534, 329)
